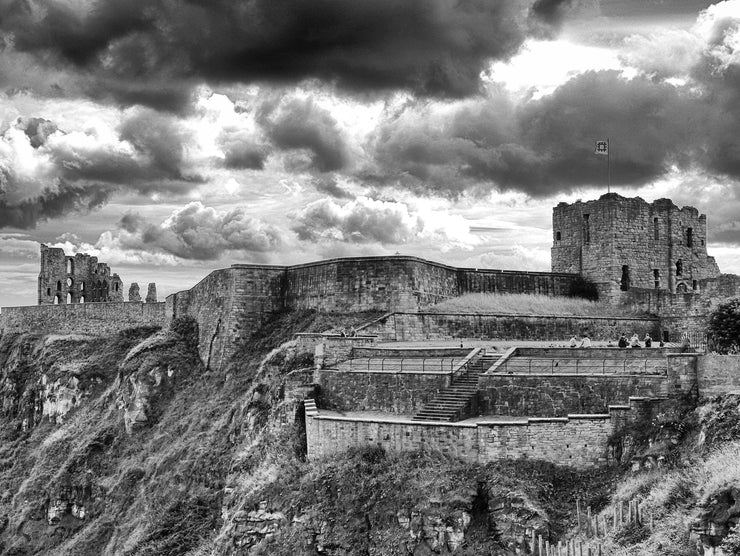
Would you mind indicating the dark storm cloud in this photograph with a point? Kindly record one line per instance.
(545, 146)
(202, 233)
(128, 50)
(46, 173)
(51, 204)
(301, 124)
(330, 186)
(37, 130)
(242, 149)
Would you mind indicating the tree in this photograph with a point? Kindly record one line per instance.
(724, 326)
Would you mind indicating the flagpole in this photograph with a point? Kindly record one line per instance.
(608, 167)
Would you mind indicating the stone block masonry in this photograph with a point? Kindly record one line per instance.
(409, 327)
(718, 374)
(84, 318)
(622, 243)
(231, 304)
(579, 441)
(400, 393)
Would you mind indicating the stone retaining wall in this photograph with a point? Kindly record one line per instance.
(718, 374)
(578, 440)
(400, 393)
(409, 327)
(82, 318)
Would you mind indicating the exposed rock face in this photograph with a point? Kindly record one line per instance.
(133, 293)
(439, 533)
(59, 397)
(151, 293)
(721, 514)
(255, 526)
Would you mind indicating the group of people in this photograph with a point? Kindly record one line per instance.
(634, 341)
(623, 342)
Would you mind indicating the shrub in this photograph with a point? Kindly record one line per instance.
(186, 328)
(583, 287)
(724, 326)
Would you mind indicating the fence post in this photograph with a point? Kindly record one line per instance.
(578, 511)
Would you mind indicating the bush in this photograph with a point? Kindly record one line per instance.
(186, 328)
(583, 287)
(724, 326)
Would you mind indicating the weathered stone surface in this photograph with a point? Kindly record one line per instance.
(78, 279)
(133, 293)
(621, 243)
(151, 293)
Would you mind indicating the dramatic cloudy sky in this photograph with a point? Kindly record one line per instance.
(174, 137)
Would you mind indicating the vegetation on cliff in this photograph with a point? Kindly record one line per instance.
(128, 446)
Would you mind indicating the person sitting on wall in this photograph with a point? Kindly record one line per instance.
(623, 343)
(573, 342)
(586, 342)
(648, 340)
(635, 341)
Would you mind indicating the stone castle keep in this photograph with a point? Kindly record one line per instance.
(624, 243)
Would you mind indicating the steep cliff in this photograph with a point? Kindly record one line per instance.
(126, 445)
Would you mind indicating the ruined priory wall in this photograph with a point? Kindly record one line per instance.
(580, 441)
(85, 318)
(400, 393)
(421, 326)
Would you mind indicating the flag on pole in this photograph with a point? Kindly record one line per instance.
(602, 148)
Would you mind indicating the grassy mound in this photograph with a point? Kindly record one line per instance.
(527, 304)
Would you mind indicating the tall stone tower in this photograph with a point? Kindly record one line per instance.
(624, 243)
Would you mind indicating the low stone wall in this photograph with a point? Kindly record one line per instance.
(560, 395)
(520, 393)
(718, 374)
(406, 327)
(82, 318)
(579, 440)
(399, 393)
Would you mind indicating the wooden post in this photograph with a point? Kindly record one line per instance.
(578, 512)
(638, 519)
(614, 521)
(539, 545)
(588, 529)
(580, 548)
(534, 541)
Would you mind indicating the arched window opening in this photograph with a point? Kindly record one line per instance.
(116, 286)
(70, 266)
(69, 282)
(624, 284)
(689, 237)
(681, 288)
(694, 285)
(82, 286)
(57, 299)
(586, 228)
(69, 299)
(656, 229)
(48, 291)
(679, 267)
(82, 299)
(557, 236)
(59, 285)
(666, 336)
(656, 278)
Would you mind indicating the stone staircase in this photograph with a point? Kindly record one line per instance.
(452, 403)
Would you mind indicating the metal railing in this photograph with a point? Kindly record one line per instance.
(403, 364)
(583, 366)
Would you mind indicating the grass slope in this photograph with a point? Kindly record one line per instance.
(527, 304)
